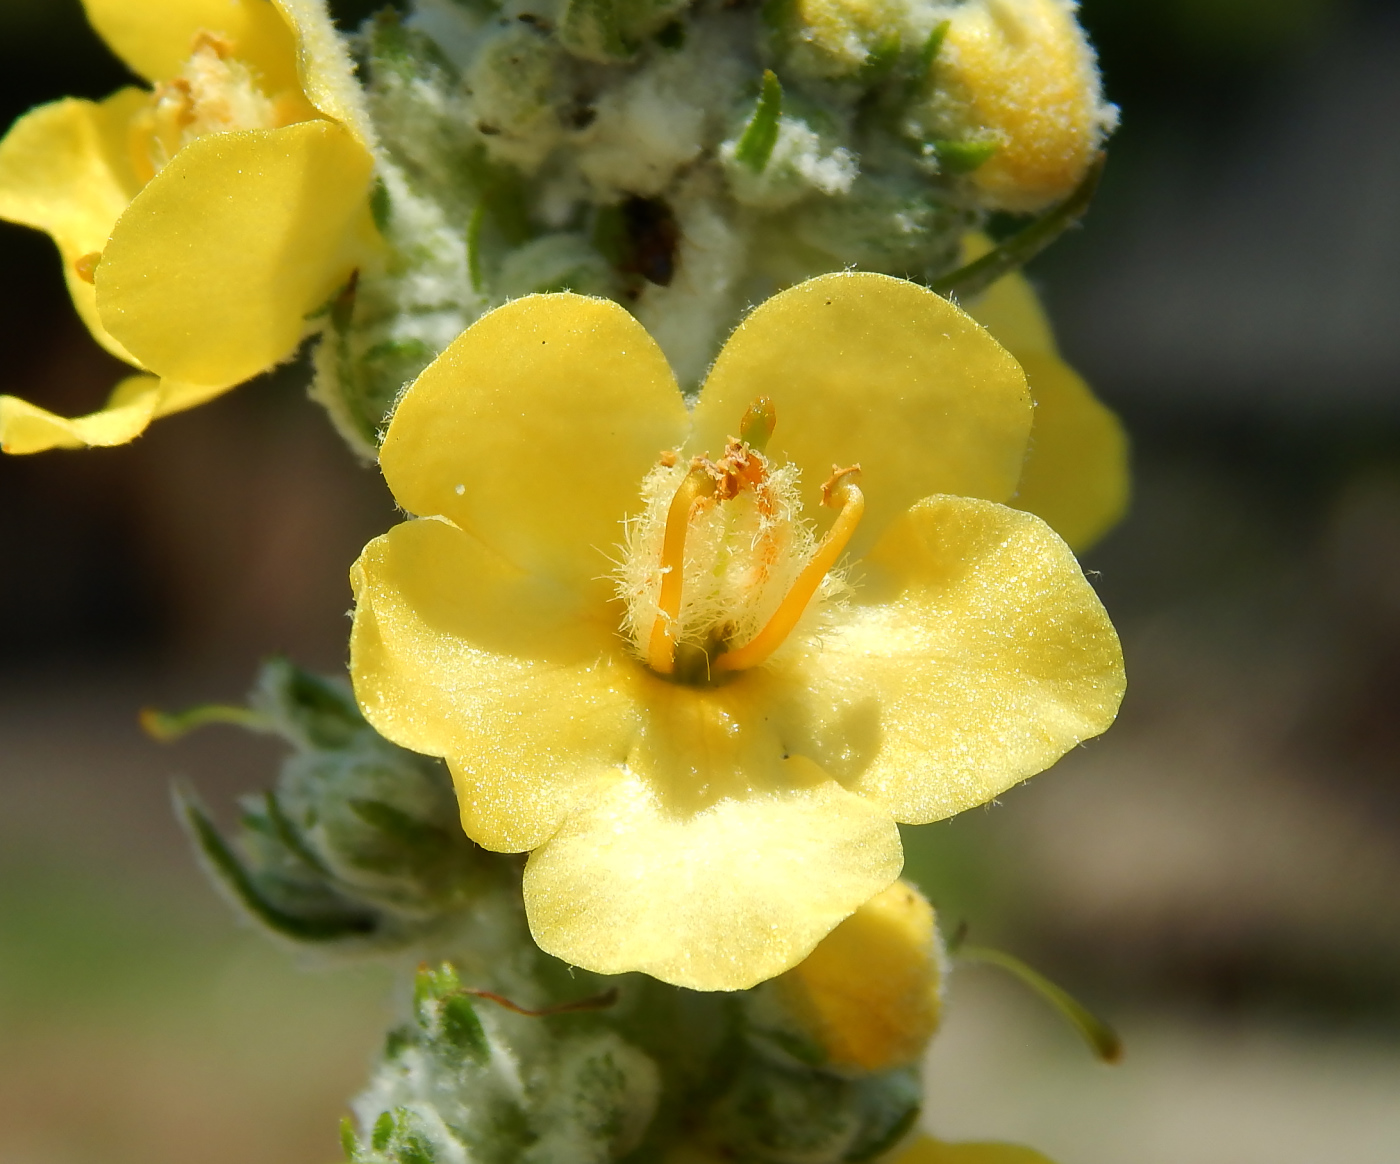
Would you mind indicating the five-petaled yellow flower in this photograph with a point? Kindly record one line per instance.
(705, 736)
(202, 221)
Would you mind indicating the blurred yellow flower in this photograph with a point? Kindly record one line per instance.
(706, 749)
(1076, 474)
(202, 221)
(927, 1150)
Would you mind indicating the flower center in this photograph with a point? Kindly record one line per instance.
(214, 93)
(719, 566)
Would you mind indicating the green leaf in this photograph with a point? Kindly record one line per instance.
(761, 134)
(349, 1141)
(383, 1132)
(929, 53)
(962, 157)
(1103, 1040)
(975, 277)
(231, 873)
(461, 1029)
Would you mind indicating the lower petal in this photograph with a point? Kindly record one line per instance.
(717, 899)
(27, 428)
(977, 657)
(455, 653)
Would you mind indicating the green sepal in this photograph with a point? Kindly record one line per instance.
(349, 1140)
(231, 873)
(760, 135)
(973, 278)
(962, 157)
(929, 53)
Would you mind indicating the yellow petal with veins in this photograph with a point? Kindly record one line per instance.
(719, 897)
(456, 653)
(974, 656)
(65, 168)
(533, 431)
(212, 269)
(927, 1150)
(155, 37)
(867, 369)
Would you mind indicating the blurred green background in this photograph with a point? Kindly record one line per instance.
(1218, 875)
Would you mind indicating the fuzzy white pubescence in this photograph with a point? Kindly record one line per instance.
(523, 1095)
(742, 556)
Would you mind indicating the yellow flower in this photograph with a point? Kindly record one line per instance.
(927, 1150)
(1076, 474)
(199, 222)
(872, 990)
(705, 749)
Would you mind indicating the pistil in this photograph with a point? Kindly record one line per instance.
(842, 489)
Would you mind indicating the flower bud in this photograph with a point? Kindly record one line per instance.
(871, 993)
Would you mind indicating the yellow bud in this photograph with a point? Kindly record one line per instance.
(926, 1150)
(836, 37)
(872, 990)
(1020, 74)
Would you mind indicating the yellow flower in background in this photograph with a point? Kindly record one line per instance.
(704, 738)
(927, 1150)
(872, 991)
(1076, 474)
(202, 221)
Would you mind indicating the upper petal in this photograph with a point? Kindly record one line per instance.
(324, 69)
(211, 271)
(533, 431)
(868, 369)
(716, 898)
(975, 657)
(456, 653)
(65, 168)
(155, 37)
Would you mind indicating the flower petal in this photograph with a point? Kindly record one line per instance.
(323, 66)
(1077, 472)
(155, 37)
(927, 1150)
(533, 431)
(456, 653)
(716, 899)
(65, 169)
(868, 369)
(133, 404)
(27, 428)
(212, 269)
(977, 656)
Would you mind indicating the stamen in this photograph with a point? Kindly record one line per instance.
(840, 489)
(758, 423)
(698, 486)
